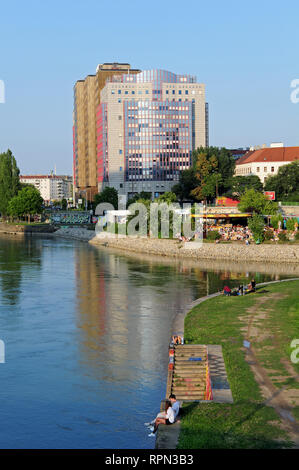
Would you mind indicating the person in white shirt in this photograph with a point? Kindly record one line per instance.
(175, 405)
(168, 419)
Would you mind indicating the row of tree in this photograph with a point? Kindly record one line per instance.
(16, 199)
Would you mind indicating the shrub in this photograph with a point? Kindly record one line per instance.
(275, 219)
(291, 224)
(268, 234)
(213, 235)
(282, 237)
(256, 224)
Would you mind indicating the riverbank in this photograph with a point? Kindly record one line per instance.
(235, 251)
(22, 229)
(264, 381)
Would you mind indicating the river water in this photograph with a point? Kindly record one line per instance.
(86, 332)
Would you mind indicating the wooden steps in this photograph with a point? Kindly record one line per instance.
(187, 379)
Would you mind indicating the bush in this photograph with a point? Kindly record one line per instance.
(268, 234)
(275, 220)
(256, 224)
(282, 237)
(291, 224)
(213, 235)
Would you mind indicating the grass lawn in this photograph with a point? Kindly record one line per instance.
(269, 319)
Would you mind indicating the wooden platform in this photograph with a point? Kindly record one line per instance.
(187, 379)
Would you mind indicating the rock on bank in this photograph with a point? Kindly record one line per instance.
(274, 253)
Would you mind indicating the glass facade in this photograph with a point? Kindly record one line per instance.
(155, 123)
(158, 139)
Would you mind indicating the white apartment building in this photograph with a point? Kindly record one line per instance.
(266, 161)
(51, 187)
(148, 124)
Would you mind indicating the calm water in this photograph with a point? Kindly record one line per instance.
(86, 333)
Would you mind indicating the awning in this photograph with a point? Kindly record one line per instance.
(222, 216)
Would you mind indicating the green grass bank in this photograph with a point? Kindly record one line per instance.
(269, 319)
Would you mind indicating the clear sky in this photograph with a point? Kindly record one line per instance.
(245, 52)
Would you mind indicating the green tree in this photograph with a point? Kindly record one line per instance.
(256, 224)
(168, 197)
(186, 184)
(239, 184)
(27, 202)
(254, 201)
(275, 219)
(64, 204)
(291, 224)
(109, 195)
(286, 182)
(9, 180)
(212, 168)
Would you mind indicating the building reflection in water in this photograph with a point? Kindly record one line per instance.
(126, 307)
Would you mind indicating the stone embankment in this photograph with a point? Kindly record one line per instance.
(237, 251)
(75, 233)
(274, 253)
(14, 229)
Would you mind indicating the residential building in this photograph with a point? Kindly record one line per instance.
(86, 100)
(265, 162)
(51, 187)
(148, 124)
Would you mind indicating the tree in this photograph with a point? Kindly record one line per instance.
(239, 184)
(187, 183)
(64, 204)
(286, 182)
(109, 195)
(27, 202)
(9, 180)
(167, 197)
(212, 168)
(254, 201)
(256, 224)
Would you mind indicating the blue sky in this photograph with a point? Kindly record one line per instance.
(246, 54)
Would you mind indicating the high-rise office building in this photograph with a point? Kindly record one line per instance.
(148, 124)
(86, 100)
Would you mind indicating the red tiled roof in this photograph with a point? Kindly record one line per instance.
(244, 157)
(278, 154)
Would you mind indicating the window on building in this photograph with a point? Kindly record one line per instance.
(126, 92)
(166, 92)
(120, 151)
(258, 169)
(180, 92)
(272, 169)
(186, 92)
(265, 169)
(119, 92)
(119, 118)
(173, 92)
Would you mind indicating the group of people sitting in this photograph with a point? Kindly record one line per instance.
(169, 416)
(233, 233)
(241, 290)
